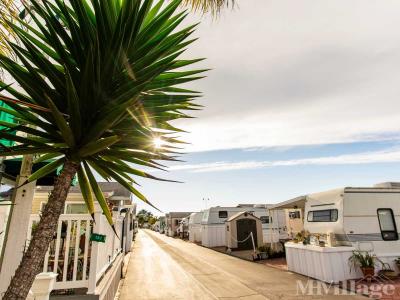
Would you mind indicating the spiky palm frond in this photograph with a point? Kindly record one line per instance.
(96, 83)
(9, 10)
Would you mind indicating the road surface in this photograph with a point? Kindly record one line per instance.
(161, 267)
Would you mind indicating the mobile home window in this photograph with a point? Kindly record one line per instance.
(176, 222)
(326, 215)
(265, 220)
(222, 214)
(294, 215)
(387, 224)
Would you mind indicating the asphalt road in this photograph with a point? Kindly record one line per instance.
(161, 267)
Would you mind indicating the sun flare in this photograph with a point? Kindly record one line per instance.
(157, 142)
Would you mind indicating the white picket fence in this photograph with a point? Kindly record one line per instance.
(79, 262)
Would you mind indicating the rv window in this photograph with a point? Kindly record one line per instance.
(294, 215)
(222, 214)
(265, 220)
(387, 224)
(326, 215)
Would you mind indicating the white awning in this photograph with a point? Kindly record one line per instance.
(298, 202)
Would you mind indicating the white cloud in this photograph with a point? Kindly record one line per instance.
(318, 124)
(384, 156)
(298, 72)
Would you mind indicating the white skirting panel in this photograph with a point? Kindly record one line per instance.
(328, 264)
(195, 233)
(213, 235)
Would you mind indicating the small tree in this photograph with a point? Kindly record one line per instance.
(152, 220)
(94, 85)
(144, 216)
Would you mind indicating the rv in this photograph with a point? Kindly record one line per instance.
(195, 227)
(365, 218)
(213, 223)
(345, 220)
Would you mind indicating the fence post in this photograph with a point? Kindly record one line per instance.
(95, 250)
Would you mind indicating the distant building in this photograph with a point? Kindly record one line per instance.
(172, 221)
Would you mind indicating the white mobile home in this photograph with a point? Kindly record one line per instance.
(213, 223)
(195, 227)
(172, 221)
(348, 219)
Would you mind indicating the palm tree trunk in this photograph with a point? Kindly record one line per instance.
(32, 261)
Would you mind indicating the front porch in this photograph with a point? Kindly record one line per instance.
(84, 266)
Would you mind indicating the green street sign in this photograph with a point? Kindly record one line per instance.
(100, 238)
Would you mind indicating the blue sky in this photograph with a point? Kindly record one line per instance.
(303, 97)
(352, 164)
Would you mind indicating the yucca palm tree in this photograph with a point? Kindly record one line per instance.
(94, 84)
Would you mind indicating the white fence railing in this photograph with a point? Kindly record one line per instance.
(105, 253)
(78, 261)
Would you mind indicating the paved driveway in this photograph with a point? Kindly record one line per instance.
(165, 268)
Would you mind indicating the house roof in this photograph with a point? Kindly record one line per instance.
(237, 215)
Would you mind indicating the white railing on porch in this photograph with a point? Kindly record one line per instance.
(79, 262)
(107, 252)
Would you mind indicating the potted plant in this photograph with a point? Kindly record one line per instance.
(365, 261)
(264, 252)
(302, 237)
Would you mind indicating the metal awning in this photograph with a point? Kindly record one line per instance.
(298, 202)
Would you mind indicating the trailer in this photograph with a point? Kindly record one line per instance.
(365, 218)
(213, 223)
(195, 227)
(346, 219)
